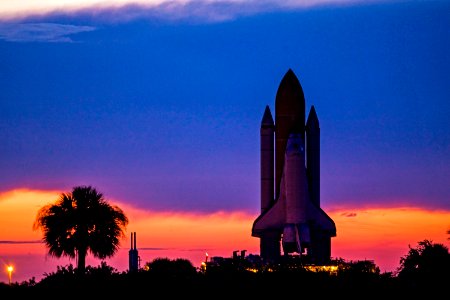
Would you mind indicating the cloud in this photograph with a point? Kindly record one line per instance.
(40, 32)
(169, 249)
(154, 248)
(349, 214)
(119, 10)
(20, 242)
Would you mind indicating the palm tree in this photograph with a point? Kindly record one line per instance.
(79, 222)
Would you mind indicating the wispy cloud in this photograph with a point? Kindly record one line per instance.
(349, 214)
(40, 32)
(20, 242)
(153, 248)
(119, 10)
(169, 248)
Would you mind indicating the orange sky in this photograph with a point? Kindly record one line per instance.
(381, 234)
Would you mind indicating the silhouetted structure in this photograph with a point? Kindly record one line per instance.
(292, 214)
(133, 255)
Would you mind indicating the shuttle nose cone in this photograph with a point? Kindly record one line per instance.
(290, 104)
(267, 119)
(313, 121)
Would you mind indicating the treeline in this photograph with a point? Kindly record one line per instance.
(425, 270)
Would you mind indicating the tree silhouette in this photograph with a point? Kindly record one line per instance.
(425, 265)
(80, 222)
(163, 266)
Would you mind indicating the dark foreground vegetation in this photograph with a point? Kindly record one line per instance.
(423, 272)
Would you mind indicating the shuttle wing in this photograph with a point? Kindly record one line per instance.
(273, 218)
(319, 217)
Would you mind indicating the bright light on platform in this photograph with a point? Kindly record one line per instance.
(10, 269)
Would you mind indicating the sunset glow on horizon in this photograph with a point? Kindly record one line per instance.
(379, 234)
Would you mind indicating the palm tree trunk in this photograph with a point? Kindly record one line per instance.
(81, 267)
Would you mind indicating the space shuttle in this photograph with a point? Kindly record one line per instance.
(291, 220)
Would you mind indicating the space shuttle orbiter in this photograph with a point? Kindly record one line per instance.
(291, 211)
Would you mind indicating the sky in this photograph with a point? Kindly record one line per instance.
(158, 105)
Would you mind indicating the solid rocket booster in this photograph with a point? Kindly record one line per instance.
(293, 216)
(269, 240)
(313, 156)
(267, 152)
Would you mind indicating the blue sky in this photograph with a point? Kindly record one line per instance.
(161, 107)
